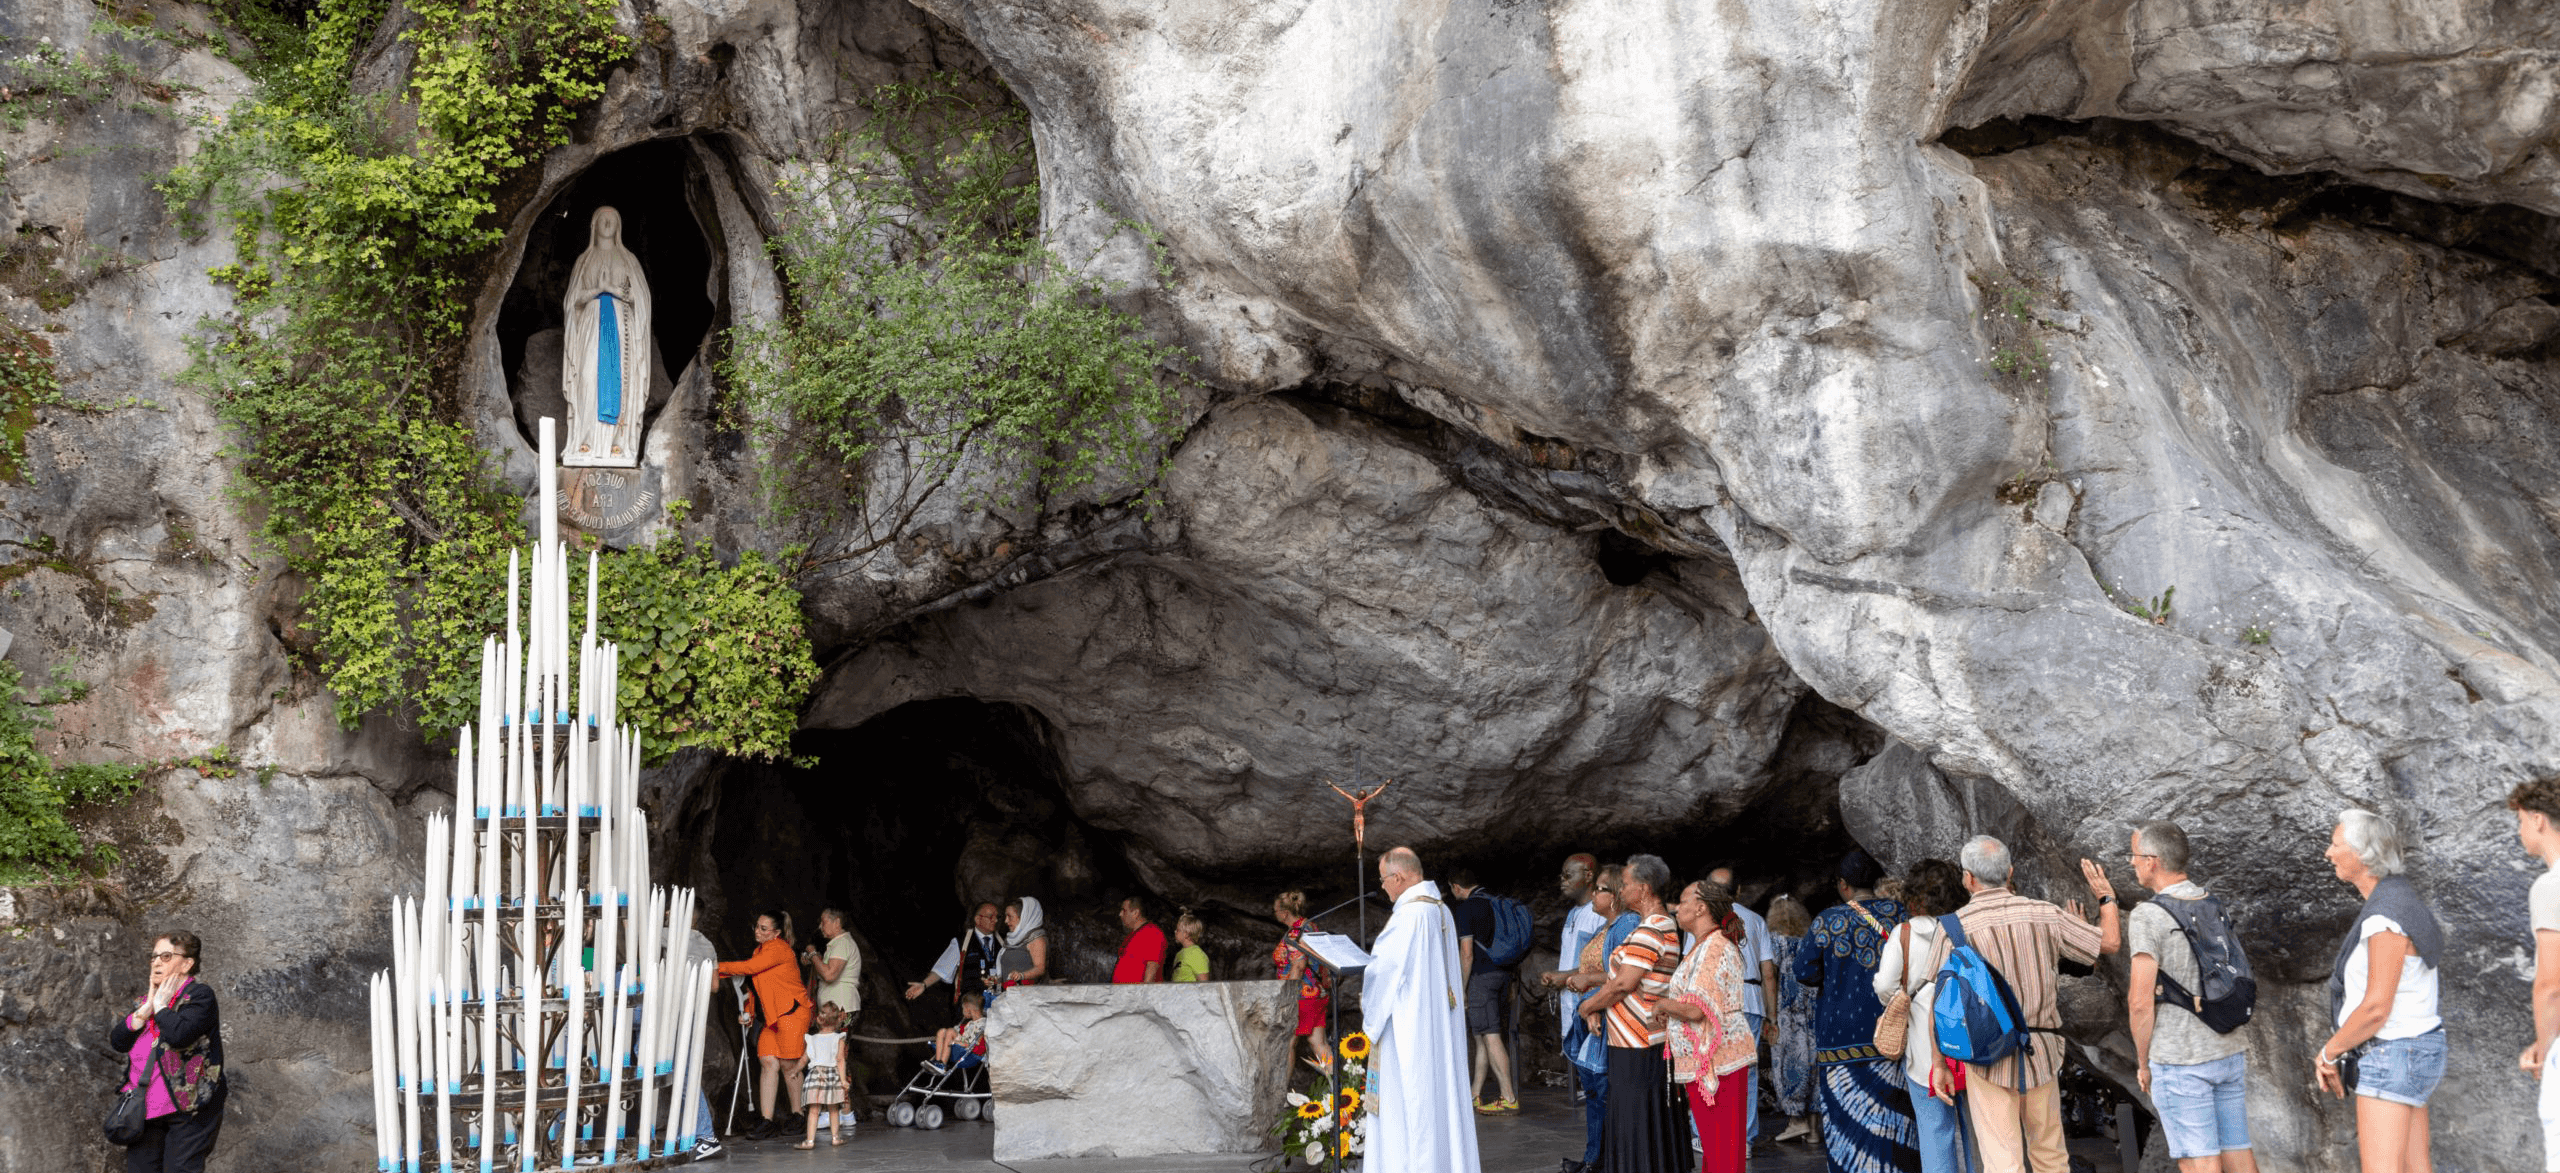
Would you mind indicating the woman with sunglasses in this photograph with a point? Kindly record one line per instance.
(172, 1041)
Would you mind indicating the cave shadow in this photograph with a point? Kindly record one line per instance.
(670, 221)
(906, 822)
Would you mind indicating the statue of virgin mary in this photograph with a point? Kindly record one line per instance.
(605, 370)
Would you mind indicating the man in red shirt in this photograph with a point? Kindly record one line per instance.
(1142, 956)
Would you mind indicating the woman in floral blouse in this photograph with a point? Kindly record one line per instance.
(1711, 1042)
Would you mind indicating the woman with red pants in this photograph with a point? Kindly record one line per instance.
(1711, 1043)
(1291, 963)
(782, 1049)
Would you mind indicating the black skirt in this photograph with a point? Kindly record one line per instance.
(1644, 1130)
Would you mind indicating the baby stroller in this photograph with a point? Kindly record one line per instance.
(964, 1083)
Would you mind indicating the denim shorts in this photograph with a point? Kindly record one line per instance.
(2403, 1071)
(2203, 1107)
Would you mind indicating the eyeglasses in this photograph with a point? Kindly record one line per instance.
(164, 956)
(1608, 889)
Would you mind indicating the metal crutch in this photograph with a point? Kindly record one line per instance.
(744, 1037)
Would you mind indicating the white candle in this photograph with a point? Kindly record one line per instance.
(644, 1054)
(410, 1001)
(617, 1011)
(680, 1104)
(488, 957)
(386, 1128)
(443, 1074)
(430, 960)
(574, 1076)
(466, 825)
(529, 1032)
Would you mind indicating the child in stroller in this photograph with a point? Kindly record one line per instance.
(957, 1072)
(969, 1037)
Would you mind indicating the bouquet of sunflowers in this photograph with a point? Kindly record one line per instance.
(1334, 1120)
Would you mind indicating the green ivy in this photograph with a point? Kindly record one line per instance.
(928, 319)
(36, 795)
(358, 223)
(712, 656)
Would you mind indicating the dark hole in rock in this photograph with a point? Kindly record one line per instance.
(905, 821)
(662, 193)
(1625, 561)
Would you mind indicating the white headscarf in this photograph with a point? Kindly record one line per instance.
(1028, 926)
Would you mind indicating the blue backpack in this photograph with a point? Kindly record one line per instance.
(1512, 930)
(1977, 1015)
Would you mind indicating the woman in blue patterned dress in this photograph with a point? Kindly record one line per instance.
(1792, 1057)
(1866, 1108)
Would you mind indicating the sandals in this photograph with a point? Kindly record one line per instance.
(806, 1144)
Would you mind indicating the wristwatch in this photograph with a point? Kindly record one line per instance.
(2106, 900)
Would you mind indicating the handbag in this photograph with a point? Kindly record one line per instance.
(132, 1109)
(1893, 1027)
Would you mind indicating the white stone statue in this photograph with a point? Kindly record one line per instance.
(604, 369)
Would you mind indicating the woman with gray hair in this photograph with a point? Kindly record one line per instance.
(2389, 1048)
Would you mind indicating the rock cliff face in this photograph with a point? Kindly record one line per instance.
(1612, 418)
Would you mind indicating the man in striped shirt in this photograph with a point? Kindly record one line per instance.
(2016, 1103)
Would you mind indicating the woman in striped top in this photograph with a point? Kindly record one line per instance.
(1640, 1133)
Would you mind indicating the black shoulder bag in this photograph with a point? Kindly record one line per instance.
(132, 1110)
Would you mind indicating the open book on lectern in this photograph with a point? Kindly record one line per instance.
(1338, 953)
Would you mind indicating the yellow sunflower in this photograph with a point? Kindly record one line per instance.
(1342, 1143)
(1355, 1046)
(1312, 1110)
(1350, 1101)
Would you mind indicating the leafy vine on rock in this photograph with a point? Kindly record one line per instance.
(37, 795)
(357, 221)
(930, 325)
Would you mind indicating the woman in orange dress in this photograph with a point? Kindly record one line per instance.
(781, 1049)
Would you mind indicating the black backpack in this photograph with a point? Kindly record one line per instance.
(2229, 992)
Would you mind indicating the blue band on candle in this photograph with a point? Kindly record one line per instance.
(382, 1163)
(400, 1082)
(502, 719)
(514, 811)
(484, 1165)
(550, 811)
(666, 1066)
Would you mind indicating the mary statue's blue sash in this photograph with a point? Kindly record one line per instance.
(608, 362)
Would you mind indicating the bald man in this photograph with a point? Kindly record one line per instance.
(1420, 1120)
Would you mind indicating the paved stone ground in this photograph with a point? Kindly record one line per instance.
(1548, 1128)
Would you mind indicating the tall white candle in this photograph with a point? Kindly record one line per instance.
(386, 1123)
(430, 961)
(681, 1025)
(574, 1076)
(443, 1073)
(410, 1000)
(618, 1015)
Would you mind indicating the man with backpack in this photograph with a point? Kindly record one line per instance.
(2190, 982)
(1493, 935)
(2016, 946)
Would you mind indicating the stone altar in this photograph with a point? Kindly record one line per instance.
(1136, 1071)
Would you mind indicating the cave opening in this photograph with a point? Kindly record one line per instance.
(669, 221)
(907, 821)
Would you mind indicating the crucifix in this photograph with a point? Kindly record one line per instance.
(1360, 833)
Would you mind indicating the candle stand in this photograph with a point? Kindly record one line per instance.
(540, 1012)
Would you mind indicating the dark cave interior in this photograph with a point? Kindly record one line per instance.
(911, 817)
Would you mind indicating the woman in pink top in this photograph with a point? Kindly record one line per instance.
(173, 1040)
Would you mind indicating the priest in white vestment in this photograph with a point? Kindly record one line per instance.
(1413, 1005)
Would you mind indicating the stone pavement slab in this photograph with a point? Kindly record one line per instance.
(1547, 1129)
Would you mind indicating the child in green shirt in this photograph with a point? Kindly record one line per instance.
(1190, 964)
